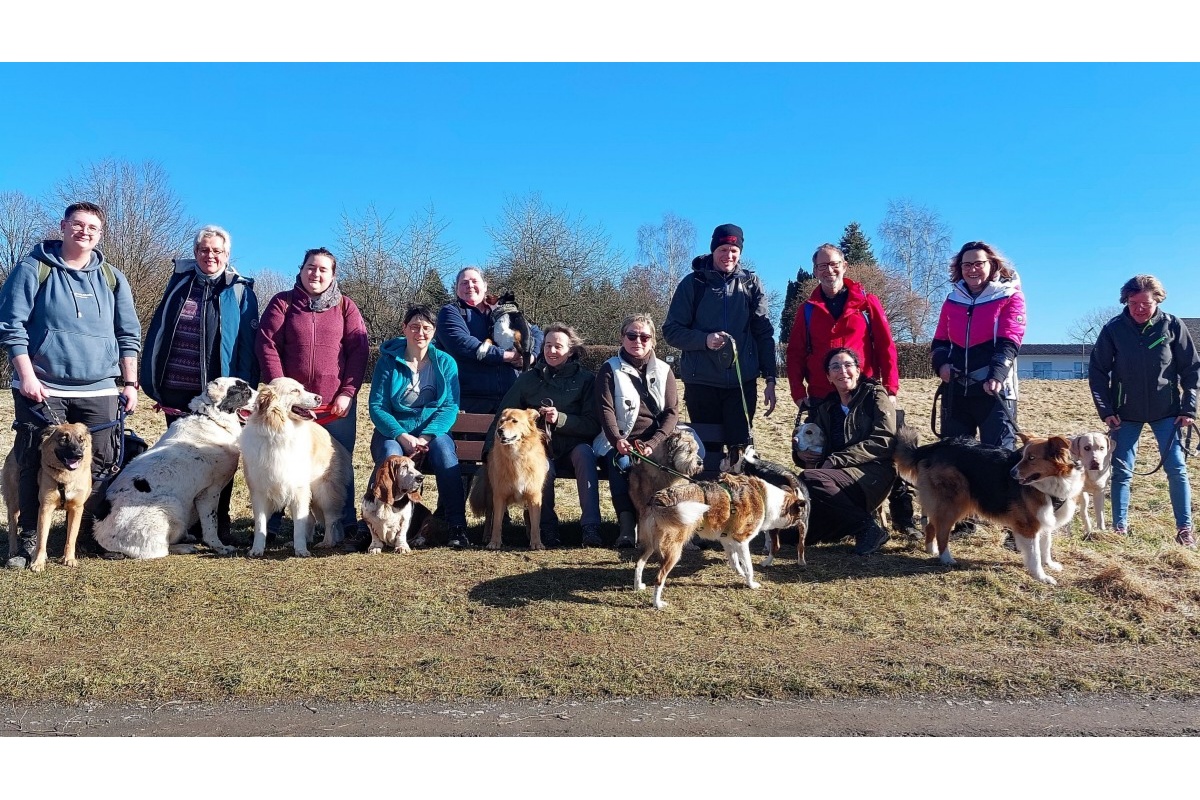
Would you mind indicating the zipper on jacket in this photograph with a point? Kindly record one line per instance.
(967, 345)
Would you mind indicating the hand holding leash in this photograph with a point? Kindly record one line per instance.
(715, 341)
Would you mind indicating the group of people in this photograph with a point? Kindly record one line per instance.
(68, 321)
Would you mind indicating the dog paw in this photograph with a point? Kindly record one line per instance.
(373, 549)
(1046, 579)
(493, 545)
(800, 562)
(303, 554)
(325, 544)
(947, 559)
(660, 604)
(1054, 565)
(225, 550)
(639, 587)
(256, 552)
(538, 546)
(768, 561)
(754, 585)
(38, 566)
(403, 549)
(69, 562)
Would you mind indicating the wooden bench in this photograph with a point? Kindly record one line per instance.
(470, 430)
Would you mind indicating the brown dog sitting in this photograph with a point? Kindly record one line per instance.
(392, 507)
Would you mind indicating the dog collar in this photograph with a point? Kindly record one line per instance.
(1057, 502)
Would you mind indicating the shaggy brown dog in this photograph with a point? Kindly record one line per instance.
(64, 481)
(515, 472)
(731, 510)
(1032, 492)
(679, 452)
(392, 507)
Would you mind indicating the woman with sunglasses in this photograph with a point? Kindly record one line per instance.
(638, 407)
(975, 346)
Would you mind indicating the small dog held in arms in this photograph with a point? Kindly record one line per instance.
(148, 508)
(807, 438)
(510, 329)
(515, 472)
(392, 507)
(64, 481)
(291, 462)
(1094, 451)
(732, 510)
(1032, 491)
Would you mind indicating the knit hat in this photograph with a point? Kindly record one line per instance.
(726, 234)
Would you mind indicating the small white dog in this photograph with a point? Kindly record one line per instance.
(1094, 451)
(292, 463)
(807, 438)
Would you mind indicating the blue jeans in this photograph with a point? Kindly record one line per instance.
(583, 462)
(1124, 457)
(343, 432)
(442, 462)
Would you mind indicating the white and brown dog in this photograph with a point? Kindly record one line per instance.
(1094, 451)
(392, 507)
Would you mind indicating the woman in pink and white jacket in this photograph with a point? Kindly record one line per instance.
(975, 346)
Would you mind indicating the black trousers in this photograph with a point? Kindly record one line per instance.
(723, 406)
(839, 506)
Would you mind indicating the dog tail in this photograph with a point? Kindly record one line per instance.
(683, 503)
(478, 498)
(905, 454)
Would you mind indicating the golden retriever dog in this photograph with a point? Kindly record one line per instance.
(1032, 491)
(392, 506)
(515, 473)
(732, 510)
(1094, 451)
(292, 463)
(64, 481)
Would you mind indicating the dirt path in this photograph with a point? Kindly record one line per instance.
(1059, 716)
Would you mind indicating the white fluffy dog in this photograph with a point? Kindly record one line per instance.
(149, 507)
(292, 463)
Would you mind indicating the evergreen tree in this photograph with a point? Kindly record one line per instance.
(432, 291)
(797, 292)
(856, 245)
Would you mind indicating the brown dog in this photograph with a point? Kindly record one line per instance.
(392, 507)
(679, 452)
(64, 481)
(515, 472)
(731, 510)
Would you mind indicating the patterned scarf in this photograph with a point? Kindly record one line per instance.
(330, 298)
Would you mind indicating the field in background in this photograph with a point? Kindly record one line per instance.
(439, 624)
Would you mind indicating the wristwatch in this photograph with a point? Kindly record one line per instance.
(134, 384)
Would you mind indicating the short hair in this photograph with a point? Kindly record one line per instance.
(458, 275)
(1003, 266)
(642, 318)
(1143, 283)
(423, 312)
(827, 246)
(210, 231)
(574, 340)
(90, 208)
(318, 251)
(837, 351)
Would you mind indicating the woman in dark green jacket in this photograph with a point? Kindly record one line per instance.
(562, 391)
(855, 473)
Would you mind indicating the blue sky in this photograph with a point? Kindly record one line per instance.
(1084, 175)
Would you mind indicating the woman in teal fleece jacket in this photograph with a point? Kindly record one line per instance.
(413, 405)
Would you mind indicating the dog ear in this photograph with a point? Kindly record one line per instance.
(1024, 437)
(265, 397)
(1060, 449)
(1077, 446)
(385, 481)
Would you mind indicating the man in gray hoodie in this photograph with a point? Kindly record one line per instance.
(68, 322)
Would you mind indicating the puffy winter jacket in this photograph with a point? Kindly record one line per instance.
(981, 336)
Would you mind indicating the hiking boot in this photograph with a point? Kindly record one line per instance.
(964, 528)
(1009, 542)
(458, 537)
(16, 562)
(1185, 538)
(591, 536)
(1121, 531)
(628, 536)
(550, 537)
(23, 555)
(869, 539)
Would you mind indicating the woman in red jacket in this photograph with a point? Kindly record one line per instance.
(315, 335)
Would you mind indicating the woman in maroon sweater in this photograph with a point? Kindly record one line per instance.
(315, 335)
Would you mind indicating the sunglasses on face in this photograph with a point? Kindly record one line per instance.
(638, 337)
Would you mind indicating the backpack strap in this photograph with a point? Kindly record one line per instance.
(808, 335)
(106, 269)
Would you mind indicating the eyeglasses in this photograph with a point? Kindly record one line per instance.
(638, 337)
(841, 366)
(829, 265)
(80, 226)
(210, 251)
(975, 264)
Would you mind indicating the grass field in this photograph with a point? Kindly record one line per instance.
(439, 624)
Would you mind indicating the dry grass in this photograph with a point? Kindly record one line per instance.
(440, 624)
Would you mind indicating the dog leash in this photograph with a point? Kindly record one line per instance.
(737, 368)
(1185, 444)
(670, 471)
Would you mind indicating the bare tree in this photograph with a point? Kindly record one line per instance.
(917, 249)
(552, 262)
(23, 222)
(270, 282)
(1086, 328)
(383, 268)
(145, 224)
(668, 248)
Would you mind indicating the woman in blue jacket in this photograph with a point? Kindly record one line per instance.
(414, 403)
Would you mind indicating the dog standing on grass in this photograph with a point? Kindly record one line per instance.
(515, 472)
(1094, 451)
(64, 481)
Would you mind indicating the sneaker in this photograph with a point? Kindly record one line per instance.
(1009, 542)
(624, 542)
(870, 540)
(591, 536)
(1121, 531)
(1185, 538)
(16, 562)
(458, 537)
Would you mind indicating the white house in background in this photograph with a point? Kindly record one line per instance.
(1070, 361)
